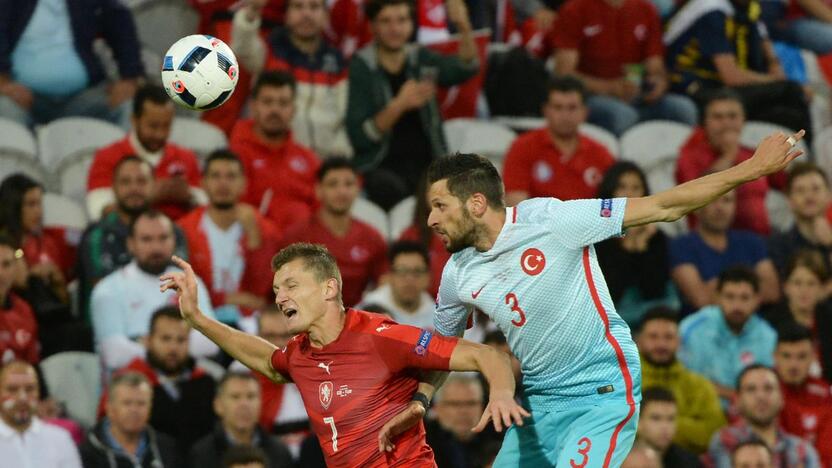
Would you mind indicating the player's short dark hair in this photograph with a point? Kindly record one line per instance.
(802, 168)
(150, 213)
(566, 84)
(812, 260)
(274, 79)
(243, 455)
(332, 164)
(468, 174)
(170, 312)
(315, 257)
(721, 94)
(656, 394)
(738, 274)
(130, 379)
(752, 442)
(793, 333)
(658, 313)
(149, 93)
(373, 7)
(130, 160)
(749, 369)
(609, 183)
(221, 155)
(407, 247)
(235, 375)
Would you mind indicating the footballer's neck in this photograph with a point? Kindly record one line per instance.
(489, 228)
(327, 327)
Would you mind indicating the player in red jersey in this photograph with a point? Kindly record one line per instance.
(354, 369)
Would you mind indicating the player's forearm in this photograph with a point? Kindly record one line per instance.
(430, 382)
(253, 351)
(494, 365)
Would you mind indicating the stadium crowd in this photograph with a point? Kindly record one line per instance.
(342, 103)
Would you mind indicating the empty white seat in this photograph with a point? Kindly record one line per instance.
(654, 142)
(66, 137)
(74, 379)
(489, 139)
(780, 215)
(370, 213)
(59, 210)
(198, 136)
(16, 139)
(11, 163)
(754, 131)
(602, 136)
(401, 216)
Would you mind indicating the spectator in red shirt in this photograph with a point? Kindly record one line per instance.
(280, 172)
(176, 189)
(615, 47)
(556, 161)
(18, 328)
(359, 248)
(807, 410)
(229, 241)
(716, 146)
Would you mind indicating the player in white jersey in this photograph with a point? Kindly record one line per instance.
(532, 270)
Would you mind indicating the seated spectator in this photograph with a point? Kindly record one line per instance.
(182, 391)
(405, 295)
(280, 172)
(300, 48)
(123, 302)
(711, 44)
(698, 412)
(103, 247)
(657, 427)
(615, 47)
(124, 438)
(642, 456)
(244, 456)
(807, 24)
(48, 68)
(752, 454)
(697, 258)
(556, 161)
(237, 405)
(393, 119)
(760, 403)
(807, 409)
(804, 305)
(229, 241)
(358, 247)
(176, 189)
(809, 198)
(716, 146)
(420, 232)
(643, 249)
(720, 340)
(18, 328)
(25, 440)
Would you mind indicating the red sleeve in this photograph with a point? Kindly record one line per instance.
(686, 166)
(566, 30)
(778, 180)
(190, 161)
(517, 169)
(33, 348)
(101, 170)
(404, 346)
(655, 46)
(280, 361)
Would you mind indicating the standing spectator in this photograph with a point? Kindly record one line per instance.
(716, 146)
(698, 412)
(358, 247)
(25, 440)
(229, 241)
(280, 172)
(807, 24)
(420, 232)
(300, 48)
(657, 427)
(405, 295)
(48, 68)
(804, 305)
(123, 439)
(237, 405)
(615, 47)
(182, 391)
(103, 247)
(556, 161)
(807, 409)
(643, 249)
(176, 189)
(752, 454)
(123, 302)
(18, 328)
(808, 190)
(721, 340)
(760, 404)
(711, 44)
(697, 258)
(393, 118)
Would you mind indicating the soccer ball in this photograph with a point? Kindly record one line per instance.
(199, 72)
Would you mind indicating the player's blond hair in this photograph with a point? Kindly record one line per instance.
(315, 257)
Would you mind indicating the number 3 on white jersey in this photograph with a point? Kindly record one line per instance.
(331, 421)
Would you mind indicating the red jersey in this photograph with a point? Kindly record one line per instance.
(361, 254)
(608, 37)
(437, 252)
(18, 331)
(697, 156)
(56, 245)
(281, 179)
(354, 385)
(176, 162)
(807, 412)
(535, 165)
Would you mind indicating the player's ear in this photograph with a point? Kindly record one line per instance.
(477, 204)
(332, 289)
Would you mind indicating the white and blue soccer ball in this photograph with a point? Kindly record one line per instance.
(200, 72)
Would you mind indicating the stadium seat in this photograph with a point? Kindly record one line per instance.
(661, 177)
(754, 131)
(14, 163)
(211, 368)
(780, 215)
(59, 210)
(489, 139)
(603, 137)
(198, 136)
(401, 216)
(652, 143)
(74, 379)
(822, 151)
(16, 139)
(160, 23)
(521, 124)
(370, 213)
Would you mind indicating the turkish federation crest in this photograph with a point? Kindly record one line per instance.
(325, 390)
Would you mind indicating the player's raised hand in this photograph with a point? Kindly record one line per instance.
(502, 410)
(401, 422)
(184, 283)
(775, 152)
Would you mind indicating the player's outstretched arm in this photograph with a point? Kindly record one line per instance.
(773, 154)
(253, 351)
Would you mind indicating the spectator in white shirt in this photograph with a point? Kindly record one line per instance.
(25, 440)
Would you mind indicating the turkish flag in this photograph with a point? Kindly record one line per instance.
(461, 100)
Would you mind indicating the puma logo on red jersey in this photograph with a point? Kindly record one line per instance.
(325, 367)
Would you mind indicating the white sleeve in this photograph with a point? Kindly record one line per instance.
(118, 351)
(246, 42)
(97, 199)
(199, 196)
(577, 223)
(107, 311)
(69, 456)
(451, 314)
(200, 345)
